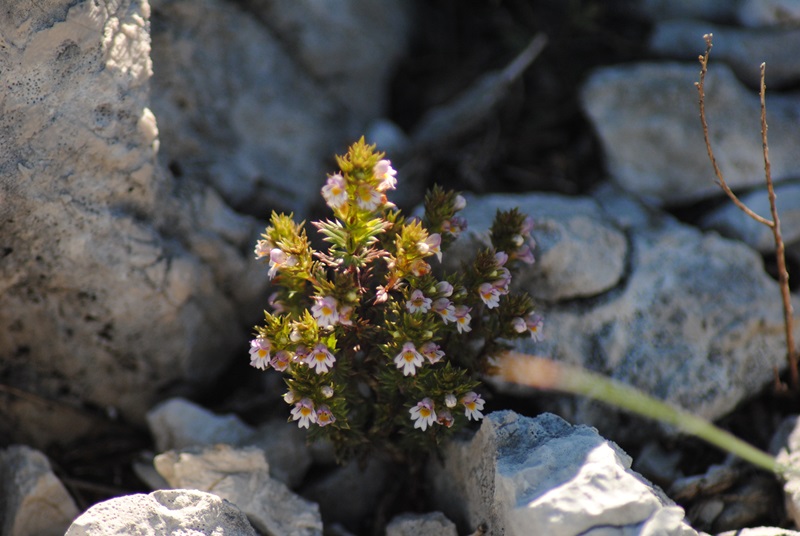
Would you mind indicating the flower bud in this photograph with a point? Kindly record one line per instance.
(327, 391)
(450, 400)
(459, 203)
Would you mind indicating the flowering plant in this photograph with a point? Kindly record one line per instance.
(379, 349)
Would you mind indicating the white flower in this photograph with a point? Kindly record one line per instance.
(367, 197)
(473, 404)
(418, 303)
(431, 352)
(444, 289)
(324, 311)
(304, 412)
(263, 247)
(423, 414)
(525, 254)
(278, 259)
(385, 173)
(334, 191)
(324, 416)
(535, 323)
(408, 359)
(259, 353)
(489, 294)
(445, 308)
(345, 312)
(432, 244)
(280, 361)
(463, 318)
(320, 358)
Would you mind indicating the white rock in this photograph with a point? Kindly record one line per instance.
(742, 49)
(730, 221)
(759, 13)
(430, 524)
(696, 322)
(177, 423)
(127, 273)
(760, 531)
(351, 47)
(519, 475)
(646, 116)
(579, 251)
(34, 501)
(241, 476)
(275, 97)
(181, 511)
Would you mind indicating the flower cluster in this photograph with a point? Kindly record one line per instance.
(380, 347)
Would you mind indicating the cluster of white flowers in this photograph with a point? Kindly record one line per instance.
(424, 413)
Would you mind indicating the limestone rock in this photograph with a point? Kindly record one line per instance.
(34, 501)
(742, 49)
(177, 424)
(255, 99)
(730, 221)
(520, 474)
(241, 476)
(354, 70)
(760, 13)
(696, 322)
(430, 524)
(116, 282)
(180, 511)
(579, 251)
(646, 117)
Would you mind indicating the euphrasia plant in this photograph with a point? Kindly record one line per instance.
(378, 348)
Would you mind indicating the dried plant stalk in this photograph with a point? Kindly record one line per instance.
(774, 223)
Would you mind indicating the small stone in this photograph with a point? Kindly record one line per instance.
(518, 472)
(430, 524)
(33, 501)
(181, 511)
(241, 476)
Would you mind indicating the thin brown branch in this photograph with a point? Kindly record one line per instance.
(720, 179)
(783, 274)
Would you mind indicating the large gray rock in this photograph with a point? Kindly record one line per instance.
(258, 108)
(180, 511)
(350, 47)
(743, 49)
(730, 221)
(646, 116)
(177, 424)
(522, 476)
(34, 501)
(696, 321)
(241, 476)
(116, 282)
(579, 252)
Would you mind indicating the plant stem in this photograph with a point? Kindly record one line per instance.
(544, 373)
(783, 274)
(774, 224)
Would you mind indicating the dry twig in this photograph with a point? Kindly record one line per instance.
(774, 223)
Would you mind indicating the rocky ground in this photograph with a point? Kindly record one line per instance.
(128, 280)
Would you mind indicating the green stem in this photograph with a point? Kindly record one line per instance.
(547, 374)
